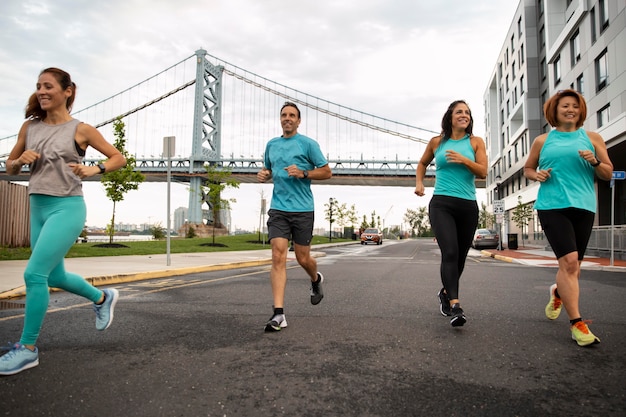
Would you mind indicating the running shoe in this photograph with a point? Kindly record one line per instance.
(316, 289)
(553, 309)
(17, 359)
(104, 311)
(276, 323)
(458, 316)
(444, 303)
(582, 335)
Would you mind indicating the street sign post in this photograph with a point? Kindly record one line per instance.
(617, 175)
(498, 210)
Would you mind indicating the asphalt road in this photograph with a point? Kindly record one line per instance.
(375, 346)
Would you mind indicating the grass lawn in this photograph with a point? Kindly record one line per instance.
(177, 245)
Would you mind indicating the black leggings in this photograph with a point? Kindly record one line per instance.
(454, 221)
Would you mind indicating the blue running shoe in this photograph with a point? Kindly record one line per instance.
(18, 359)
(104, 311)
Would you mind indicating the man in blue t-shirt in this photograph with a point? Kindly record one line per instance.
(292, 160)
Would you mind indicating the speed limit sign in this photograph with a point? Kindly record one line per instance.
(498, 207)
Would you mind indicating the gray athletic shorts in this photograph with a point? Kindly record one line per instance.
(296, 226)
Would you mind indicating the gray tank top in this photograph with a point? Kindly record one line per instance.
(50, 174)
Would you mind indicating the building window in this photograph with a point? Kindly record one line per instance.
(509, 153)
(506, 57)
(521, 85)
(540, 6)
(500, 70)
(592, 20)
(521, 54)
(508, 108)
(513, 71)
(575, 48)
(512, 43)
(580, 84)
(502, 116)
(604, 115)
(516, 152)
(542, 38)
(514, 97)
(602, 71)
(557, 70)
(603, 6)
(519, 27)
(543, 69)
(506, 83)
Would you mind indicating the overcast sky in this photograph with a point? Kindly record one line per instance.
(404, 60)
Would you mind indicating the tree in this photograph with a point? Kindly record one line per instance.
(522, 214)
(351, 215)
(125, 179)
(217, 181)
(157, 231)
(486, 220)
(332, 212)
(417, 219)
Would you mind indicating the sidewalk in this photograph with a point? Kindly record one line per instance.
(108, 270)
(538, 257)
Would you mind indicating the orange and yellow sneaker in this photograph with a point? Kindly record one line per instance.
(582, 335)
(553, 309)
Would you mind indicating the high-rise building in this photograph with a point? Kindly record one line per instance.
(553, 45)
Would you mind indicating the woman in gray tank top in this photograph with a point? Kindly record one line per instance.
(53, 144)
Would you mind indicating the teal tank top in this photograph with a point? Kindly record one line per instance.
(454, 180)
(571, 179)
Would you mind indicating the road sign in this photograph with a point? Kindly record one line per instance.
(619, 175)
(498, 207)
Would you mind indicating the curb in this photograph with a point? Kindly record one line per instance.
(498, 257)
(20, 292)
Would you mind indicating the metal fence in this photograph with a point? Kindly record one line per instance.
(600, 241)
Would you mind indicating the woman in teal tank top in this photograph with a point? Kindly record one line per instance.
(565, 162)
(460, 157)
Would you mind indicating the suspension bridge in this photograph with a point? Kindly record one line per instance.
(223, 115)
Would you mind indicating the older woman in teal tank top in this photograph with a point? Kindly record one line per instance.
(460, 158)
(565, 162)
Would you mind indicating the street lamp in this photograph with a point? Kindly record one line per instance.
(498, 183)
(331, 202)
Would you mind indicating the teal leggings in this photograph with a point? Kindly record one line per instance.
(55, 223)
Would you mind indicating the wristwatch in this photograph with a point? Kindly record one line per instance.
(305, 174)
(102, 168)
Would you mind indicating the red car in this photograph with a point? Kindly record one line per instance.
(371, 235)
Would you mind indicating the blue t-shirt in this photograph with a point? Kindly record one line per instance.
(571, 179)
(292, 194)
(451, 179)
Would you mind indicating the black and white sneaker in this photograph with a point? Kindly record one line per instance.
(458, 316)
(316, 289)
(276, 323)
(444, 303)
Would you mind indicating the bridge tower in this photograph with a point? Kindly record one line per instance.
(207, 127)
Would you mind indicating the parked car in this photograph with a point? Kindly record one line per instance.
(371, 235)
(485, 238)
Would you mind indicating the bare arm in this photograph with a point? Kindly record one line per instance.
(532, 162)
(422, 165)
(605, 169)
(19, 155)
(88, 135)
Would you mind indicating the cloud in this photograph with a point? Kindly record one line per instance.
(404, 60)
